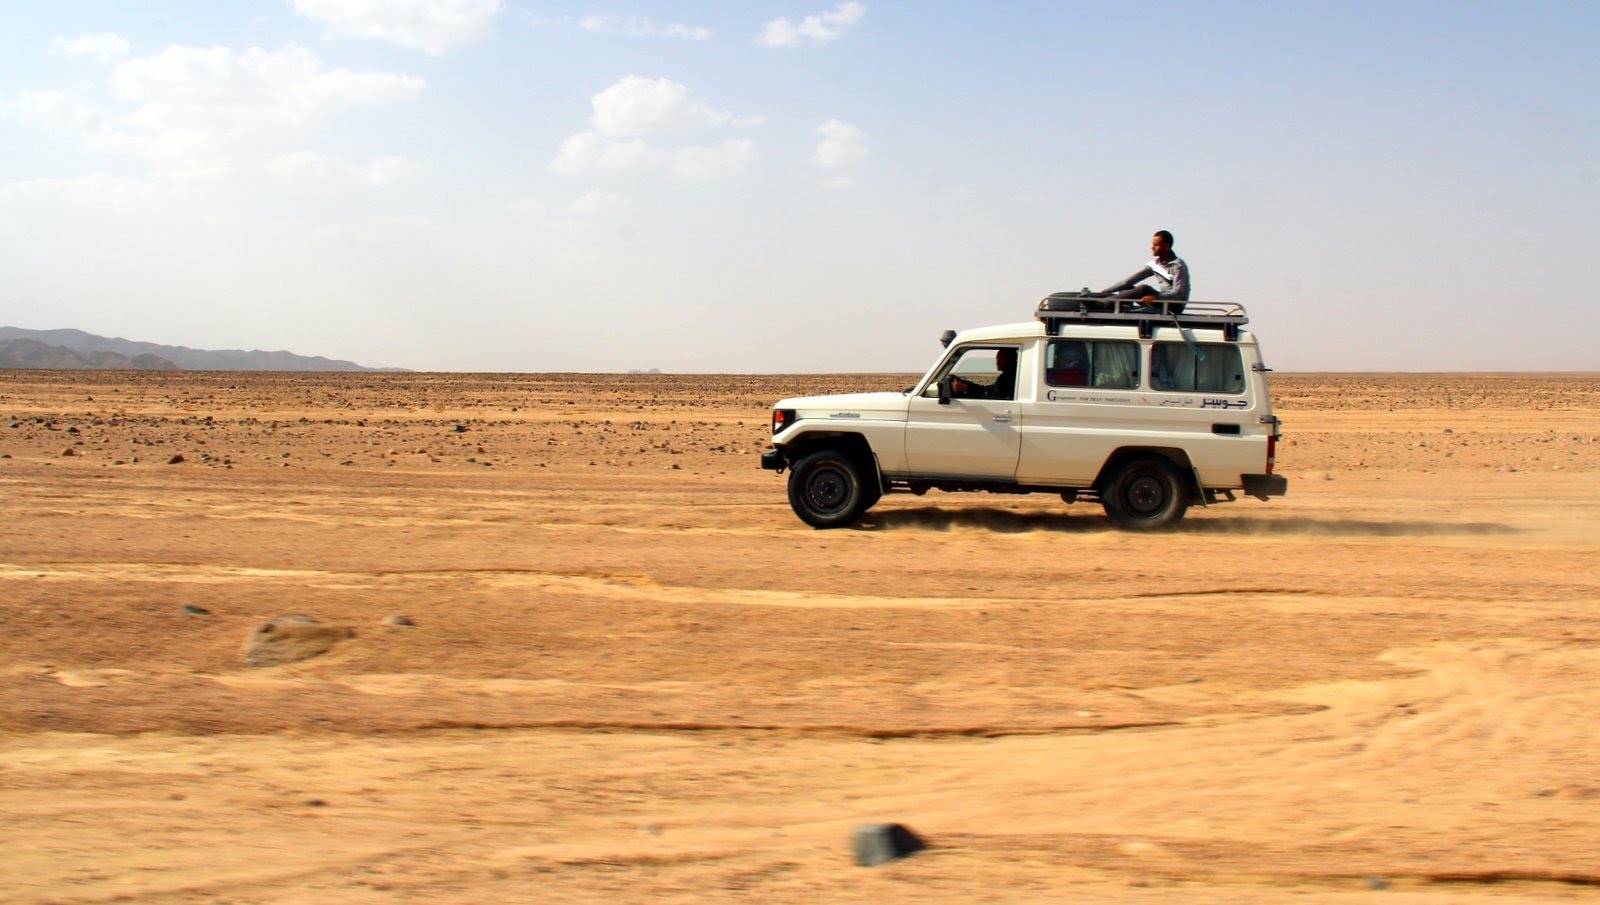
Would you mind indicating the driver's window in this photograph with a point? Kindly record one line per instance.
(980, 373)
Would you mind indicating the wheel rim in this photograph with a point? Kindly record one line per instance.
(828, 490)
(1146, 495)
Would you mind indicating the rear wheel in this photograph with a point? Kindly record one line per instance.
(826, 490)
(1145, 494)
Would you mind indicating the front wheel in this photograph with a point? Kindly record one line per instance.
(826, 490)
(1145, 494)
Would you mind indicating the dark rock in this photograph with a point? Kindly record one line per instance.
(878, 843)
(177, 459)
(196, 610)
(398, 620)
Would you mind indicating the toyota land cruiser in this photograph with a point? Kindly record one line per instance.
(1146, 409)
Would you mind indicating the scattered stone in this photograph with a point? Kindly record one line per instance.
(290, 640)
(316, 803)
(1193, 679)
(398, 620)
(879, 843)
(460, 428)
(1377, 883)
(177, 459)
(69, 451)
(196, 610)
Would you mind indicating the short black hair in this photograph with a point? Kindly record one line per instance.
(1166, 235)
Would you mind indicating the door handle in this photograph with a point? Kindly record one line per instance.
(1002, 417)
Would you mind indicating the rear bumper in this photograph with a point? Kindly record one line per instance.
(773, 460)
(1262, 486)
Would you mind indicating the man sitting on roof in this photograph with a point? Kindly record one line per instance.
(1170, 276)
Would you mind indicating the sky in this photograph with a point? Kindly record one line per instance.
(777, 186)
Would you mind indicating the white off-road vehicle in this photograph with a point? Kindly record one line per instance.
(1145, 408)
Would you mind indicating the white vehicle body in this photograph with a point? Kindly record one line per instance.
(1184, 393)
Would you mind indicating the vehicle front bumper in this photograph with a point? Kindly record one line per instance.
(774, 460)
(1262, 486)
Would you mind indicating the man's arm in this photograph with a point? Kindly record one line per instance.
(1132, 281)
(1179, 274)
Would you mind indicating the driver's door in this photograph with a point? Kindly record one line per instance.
(970, 435)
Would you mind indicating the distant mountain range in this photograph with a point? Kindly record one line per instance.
(23, 348)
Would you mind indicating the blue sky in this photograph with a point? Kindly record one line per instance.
(508, 185)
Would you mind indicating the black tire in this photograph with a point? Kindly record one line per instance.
(874, 493)
(826, 489)
(1145, 494)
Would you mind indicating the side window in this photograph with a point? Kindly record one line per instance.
(980, 372)
(1201, 368)
(1092, 363)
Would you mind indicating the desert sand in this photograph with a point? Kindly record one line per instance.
(634, 675)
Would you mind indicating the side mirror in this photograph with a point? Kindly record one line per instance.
(944, 390)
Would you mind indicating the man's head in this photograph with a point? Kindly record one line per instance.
(1161, 245)
(1006, 360)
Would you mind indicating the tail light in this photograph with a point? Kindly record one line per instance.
(1272, 451)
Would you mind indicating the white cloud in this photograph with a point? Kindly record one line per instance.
(102, 48)
(431, 26)
(638, 27)
(813, 31)
(704, 164)
(201, 113)
(309, 168)
(526, 206)
(640, 106)
(687, 32)
(205, 103)
(598, 202)
(586, 152)
(636, 107)
(66, 110)
(841, 144)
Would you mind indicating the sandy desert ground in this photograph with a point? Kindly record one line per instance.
(634, 675)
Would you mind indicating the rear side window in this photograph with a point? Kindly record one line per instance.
(1197, 368)
(1092, 363)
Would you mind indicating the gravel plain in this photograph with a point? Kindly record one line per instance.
(575, 646)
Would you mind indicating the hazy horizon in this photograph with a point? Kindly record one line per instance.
(485, 186)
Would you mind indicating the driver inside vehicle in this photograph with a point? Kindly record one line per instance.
(1004, 385)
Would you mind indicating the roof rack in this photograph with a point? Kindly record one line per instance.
(1060, 308)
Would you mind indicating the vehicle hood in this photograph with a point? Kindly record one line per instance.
(849, 407)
